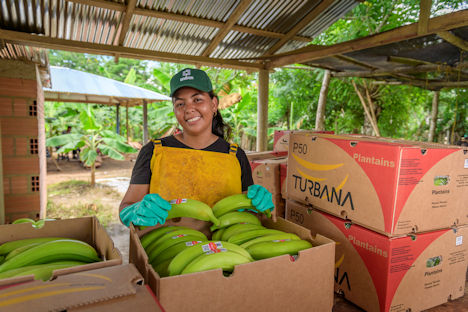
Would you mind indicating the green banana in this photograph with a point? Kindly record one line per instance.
(191, 208)
(40, 271)
(164, 245)
(275, 248)
(19, 250)
(23, 220)
(183, 258)
(234, 217)
(149, 237)
(280, 236)
(216, 235)
(40, 223)
(53, 251)
(161, 268)
(173, 250)
(243, 237)
(223, 259)
(233, 203)
(9, 246)
(186, 231)
(239, 228)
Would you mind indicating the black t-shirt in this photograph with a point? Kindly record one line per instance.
(141, 173)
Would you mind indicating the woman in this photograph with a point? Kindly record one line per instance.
(197, 163)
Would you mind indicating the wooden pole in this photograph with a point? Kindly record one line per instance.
(262, 110)
(145, 122)
(126, 122)
(117, 118)
(320, 116)
(435, 111)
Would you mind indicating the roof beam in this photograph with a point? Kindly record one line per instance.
(299, 26)
(456, 41)
(424, 14)
(232, 20)
(94, 48)
(307, 54)
(401, 70)
(115, 6)
(125, 24)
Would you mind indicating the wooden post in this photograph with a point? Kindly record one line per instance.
(262, 110)
(145, 122)
(2, 202)
(435, 111)
(126, 121)
(117, 118)
(320, 115)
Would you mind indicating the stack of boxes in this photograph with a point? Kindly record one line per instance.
(396, 209)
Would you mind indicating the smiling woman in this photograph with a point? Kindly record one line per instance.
(197, 163)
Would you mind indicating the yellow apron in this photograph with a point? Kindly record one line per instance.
(189, 173)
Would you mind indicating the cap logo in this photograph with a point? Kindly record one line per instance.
(186, 75)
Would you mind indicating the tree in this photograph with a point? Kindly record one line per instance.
(91, 141)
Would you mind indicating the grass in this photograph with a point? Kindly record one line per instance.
(76, 198)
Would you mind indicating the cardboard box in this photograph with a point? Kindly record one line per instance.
(283, 180)
(266, 172)
(378, 273)
(87, 229)
(251, 156)
(281, 139)
(275, 284)
(115, 288)
(385, 185)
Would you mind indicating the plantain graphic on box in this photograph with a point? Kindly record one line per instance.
(379, 273)
(390, 186)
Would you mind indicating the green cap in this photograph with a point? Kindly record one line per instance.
(191, 77)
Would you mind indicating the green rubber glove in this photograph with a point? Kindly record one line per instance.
(151, 210)
(261, 197)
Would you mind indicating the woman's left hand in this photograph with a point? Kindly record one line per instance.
(261, 197)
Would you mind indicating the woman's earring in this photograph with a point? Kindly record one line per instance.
(215, 113)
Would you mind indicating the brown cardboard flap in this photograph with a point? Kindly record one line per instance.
(72, 290)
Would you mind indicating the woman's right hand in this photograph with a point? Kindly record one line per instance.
(151, 210)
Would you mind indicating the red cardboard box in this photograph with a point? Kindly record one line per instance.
(378, 273)
(283, 175)
(251, 156)
(266, 172)
(390, 186)
(281, 139)
(274, 284)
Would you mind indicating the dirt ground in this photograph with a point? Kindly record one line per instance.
(72, 169)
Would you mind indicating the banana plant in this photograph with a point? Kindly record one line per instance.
(91, 140)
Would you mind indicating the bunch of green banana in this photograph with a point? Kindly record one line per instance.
(223, 258)
(41, 256)
(235, 217)
(233, 203)
(191, 208)
(273, 248)
(236, 229)
(35, 224)
(188, 255)
(165, 242)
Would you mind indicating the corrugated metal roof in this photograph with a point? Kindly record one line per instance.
(69, 85)
(178, 28)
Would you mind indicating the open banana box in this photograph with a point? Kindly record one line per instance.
(276, 284)
(87, 229)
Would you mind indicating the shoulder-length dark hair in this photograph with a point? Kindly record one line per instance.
(219, 127)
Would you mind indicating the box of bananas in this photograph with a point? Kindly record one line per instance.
(54, 247)
(232, 257)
